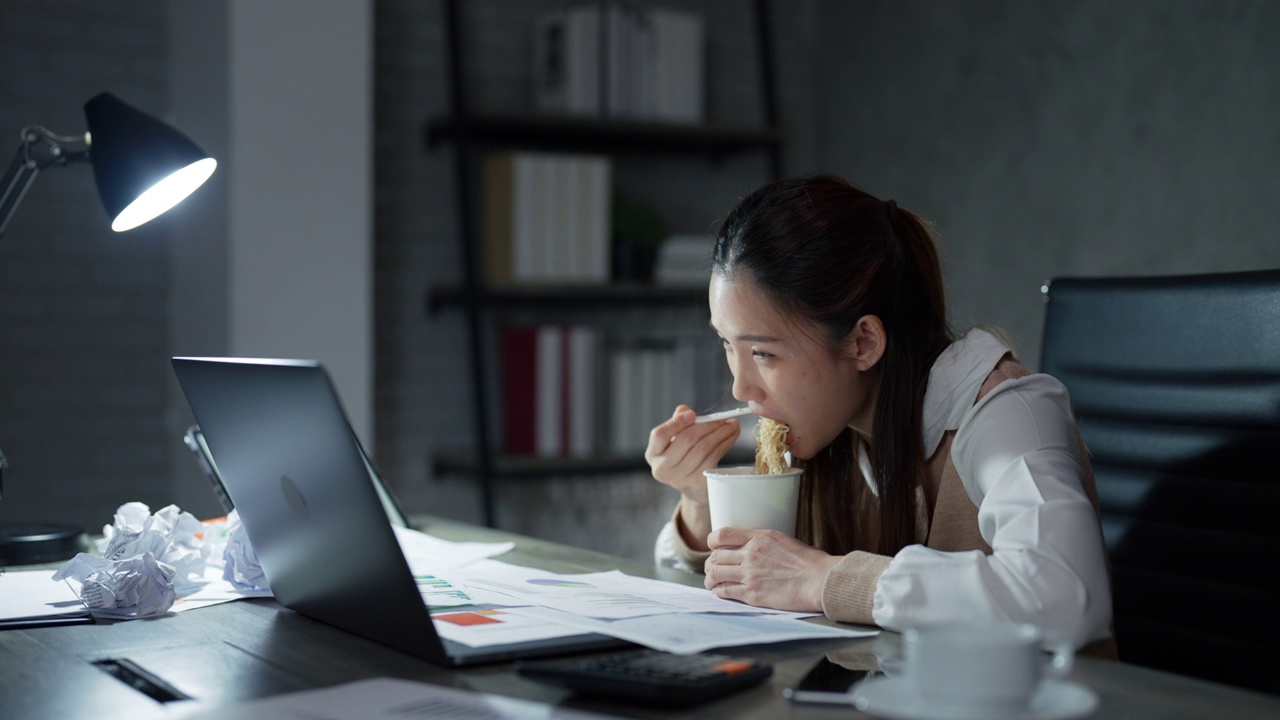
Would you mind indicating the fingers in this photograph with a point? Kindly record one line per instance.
(731, 537)
(726, 563)
(661, 435)
(680, 450)
(719, 573)
(768, 569)
(727, 577)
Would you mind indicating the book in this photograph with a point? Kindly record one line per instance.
(550, 382)
(546, 218)
(676, 66)
(498, 218)
(593, 208)
(548, 392)
(617, 60)
(519, 389)
(566, 61)
(623, 397)
(583, 381)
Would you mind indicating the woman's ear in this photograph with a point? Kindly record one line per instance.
(866, 342)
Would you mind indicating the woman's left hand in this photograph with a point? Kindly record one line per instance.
(767, 568)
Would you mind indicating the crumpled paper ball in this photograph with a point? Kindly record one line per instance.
(147, 561)
(241, 567)
(138, 586)
(171, 535)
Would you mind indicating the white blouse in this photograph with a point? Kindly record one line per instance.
(1016, 452)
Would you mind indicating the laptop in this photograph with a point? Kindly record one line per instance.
(300, 481)
(194, 440)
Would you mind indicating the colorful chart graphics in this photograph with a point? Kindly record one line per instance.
(440, 591)
(558, 582)
(478, 617)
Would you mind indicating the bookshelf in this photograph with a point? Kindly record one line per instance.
(473, 133)
(539, 131)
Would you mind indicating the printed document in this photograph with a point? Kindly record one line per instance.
(33, 597)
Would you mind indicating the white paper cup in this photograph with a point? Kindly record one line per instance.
(740, 498)
(982, 667)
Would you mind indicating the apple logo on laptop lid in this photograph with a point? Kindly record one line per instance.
(294, 497)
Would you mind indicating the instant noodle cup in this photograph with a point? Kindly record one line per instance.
(741, 498)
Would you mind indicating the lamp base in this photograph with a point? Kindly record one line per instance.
(36, 543)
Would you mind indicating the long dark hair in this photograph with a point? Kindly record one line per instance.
(829, 253)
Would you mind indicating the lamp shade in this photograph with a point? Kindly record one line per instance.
(142, 166)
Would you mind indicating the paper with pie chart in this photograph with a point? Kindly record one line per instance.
(611, 595)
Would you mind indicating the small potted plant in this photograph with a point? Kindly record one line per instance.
(638, 231)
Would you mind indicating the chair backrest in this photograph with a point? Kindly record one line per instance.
(1175, 382)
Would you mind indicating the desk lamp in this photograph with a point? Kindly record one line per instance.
(142, 168)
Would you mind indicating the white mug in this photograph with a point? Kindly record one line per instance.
(982, 666)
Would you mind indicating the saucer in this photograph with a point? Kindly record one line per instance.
(894, 697)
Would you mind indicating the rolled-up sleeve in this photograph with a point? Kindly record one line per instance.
(1017, 453)
(670, 549)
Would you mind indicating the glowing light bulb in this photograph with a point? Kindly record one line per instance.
(164, 195)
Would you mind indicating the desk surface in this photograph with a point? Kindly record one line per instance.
(255, 648)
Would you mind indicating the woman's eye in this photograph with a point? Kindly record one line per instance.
(761, 355)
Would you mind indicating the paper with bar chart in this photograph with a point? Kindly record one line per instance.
(516, 604)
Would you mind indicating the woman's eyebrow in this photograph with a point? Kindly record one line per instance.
(744, 338)
(749, 338)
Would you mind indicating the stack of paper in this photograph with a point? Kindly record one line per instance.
(31, 598)
(495, 603)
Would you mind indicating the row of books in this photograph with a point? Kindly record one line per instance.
(549, 385)
(566, 395)
(547, 218)
(615, 60)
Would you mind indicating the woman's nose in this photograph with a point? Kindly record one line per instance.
(745, 388)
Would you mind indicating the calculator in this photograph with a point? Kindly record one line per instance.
(650, 675)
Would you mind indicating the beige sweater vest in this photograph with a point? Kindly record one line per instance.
(952, 525)
(947, 521)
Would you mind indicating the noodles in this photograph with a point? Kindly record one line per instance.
(771, 443)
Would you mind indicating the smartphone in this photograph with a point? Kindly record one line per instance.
(827, 682)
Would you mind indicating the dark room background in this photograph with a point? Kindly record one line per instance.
(1042, 138)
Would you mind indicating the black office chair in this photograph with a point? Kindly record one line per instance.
(1175, 383)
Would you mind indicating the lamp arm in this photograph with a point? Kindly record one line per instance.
(38, 150)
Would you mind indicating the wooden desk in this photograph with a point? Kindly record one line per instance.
(255, 648)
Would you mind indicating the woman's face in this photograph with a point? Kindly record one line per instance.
(784, 371)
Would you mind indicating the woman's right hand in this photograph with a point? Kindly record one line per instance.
(679, 450)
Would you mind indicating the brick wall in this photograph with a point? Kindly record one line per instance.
(83, 325)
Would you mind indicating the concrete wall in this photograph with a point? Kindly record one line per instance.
(1061, 138)
(1043, 139)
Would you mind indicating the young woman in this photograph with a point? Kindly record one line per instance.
(942, 481)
